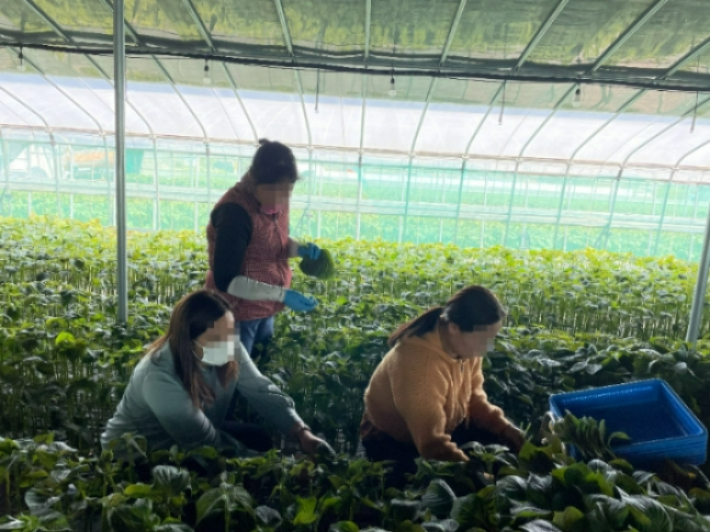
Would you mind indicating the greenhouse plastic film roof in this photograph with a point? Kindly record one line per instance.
(605, 83)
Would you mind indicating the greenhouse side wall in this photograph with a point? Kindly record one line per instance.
(478, 203)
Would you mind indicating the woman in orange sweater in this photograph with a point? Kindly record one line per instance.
(426, 396)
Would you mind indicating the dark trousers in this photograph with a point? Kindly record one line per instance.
(255, 332)
(252, 436)
(251, 334)
(385, 448)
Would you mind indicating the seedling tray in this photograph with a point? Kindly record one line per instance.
(659, 423)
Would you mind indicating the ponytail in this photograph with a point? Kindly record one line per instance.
(419, 326)
(469, 308)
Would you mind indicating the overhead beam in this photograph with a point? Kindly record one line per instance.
(368, 24)
(633, 28)
(541, 32)
(628, 33)
(432, 85)
(482, 71)
(129, 28)
(47, 127)
(235, 89)
(296, 73)
(699, 49)
(200, 24)
(60, 89)
(182, 97)
(284, 26)
(207, 37)
(633, 152)
(100, 69)
(160, 66)
(483, 120)
(452, 32)
(668, 190)
(47, 20)
(692, 54)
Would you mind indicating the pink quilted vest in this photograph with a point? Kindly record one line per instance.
(266, 257)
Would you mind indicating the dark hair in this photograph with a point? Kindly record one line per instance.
(469, 308)
(191, 317)
(273, 163)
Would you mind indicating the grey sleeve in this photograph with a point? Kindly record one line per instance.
(272, 404)
(185, 423)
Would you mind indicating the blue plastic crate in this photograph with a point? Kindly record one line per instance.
(658, 422)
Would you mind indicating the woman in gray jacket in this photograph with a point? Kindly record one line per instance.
(180, 391)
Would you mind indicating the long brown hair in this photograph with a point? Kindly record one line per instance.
(474, 306)
(191, 317)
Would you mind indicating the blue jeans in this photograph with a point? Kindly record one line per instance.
(256, 332)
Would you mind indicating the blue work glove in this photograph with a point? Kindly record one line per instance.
(297, 301)
(309, 250)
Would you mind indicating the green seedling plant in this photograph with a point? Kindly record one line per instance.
(588, 435)
(577, 320)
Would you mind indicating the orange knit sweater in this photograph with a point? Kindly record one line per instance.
(419, 394)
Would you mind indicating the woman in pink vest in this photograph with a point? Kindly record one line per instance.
(249, 246)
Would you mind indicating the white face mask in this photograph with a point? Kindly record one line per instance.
(219, 353)
(490, 345)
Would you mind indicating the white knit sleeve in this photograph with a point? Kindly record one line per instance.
(251, 290)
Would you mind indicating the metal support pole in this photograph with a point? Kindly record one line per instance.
(358, 216)
(55, 165)
(458, 205)
(700, 289)
(208, 161)
(119, 68)
(403, 231)
(156, 201)
(663, 212)
(6, 171)
(512, 200)
(559, 208)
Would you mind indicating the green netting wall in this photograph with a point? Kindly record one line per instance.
(173, 185)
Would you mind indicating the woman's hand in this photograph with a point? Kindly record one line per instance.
(513, 437)
(313, 445)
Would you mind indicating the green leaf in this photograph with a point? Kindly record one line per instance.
(268, 517)
(306, 512)
(568, 519)
(210, 501)
(408, 526)
(526, 511)
(344, 526)
(404, 510)
(650, 515)
(40, 505)
(170, 480)
(65, 339)
(539, 526)
(606, 513)
(439, 498)
(447, 525)
(138, 491)
(173, 527)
